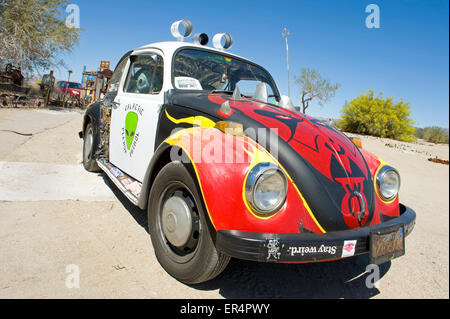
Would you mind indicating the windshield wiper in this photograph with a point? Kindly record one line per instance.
(221, 91)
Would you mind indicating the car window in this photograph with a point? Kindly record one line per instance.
(145, 75)
(117, 75)
(74, 85)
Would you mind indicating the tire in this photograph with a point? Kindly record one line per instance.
(89, 149)
(197, 260)
(4, 100)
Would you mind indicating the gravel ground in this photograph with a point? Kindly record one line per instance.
(53, 215)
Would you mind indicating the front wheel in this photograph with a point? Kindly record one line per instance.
(178, 229)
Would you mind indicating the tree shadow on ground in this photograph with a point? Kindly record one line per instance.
(252, 280)
(63, 109)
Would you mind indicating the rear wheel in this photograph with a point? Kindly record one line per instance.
(178, 229)
(4, 100)
(89, 162)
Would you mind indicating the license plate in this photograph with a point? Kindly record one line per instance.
(387, 244)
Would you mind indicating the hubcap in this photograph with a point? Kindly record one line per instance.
(88, 144)
(177, 221)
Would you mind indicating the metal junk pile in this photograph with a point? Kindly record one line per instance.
(14, 93)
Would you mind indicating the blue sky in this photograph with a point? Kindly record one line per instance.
(407, 58)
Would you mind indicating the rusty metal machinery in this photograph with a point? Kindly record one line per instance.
(46, 86)
(95, 83)
(14, 93)
(12, 90)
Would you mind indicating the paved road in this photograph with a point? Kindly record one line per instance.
(54, 215)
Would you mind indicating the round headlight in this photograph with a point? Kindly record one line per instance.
(388, 182)
(266, 188)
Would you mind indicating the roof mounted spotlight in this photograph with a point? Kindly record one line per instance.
(227, 41)
(181, 35)
(201, 39)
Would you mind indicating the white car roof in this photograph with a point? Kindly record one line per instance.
(169, 47)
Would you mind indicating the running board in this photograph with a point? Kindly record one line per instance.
(130, 187)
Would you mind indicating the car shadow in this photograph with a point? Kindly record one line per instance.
(252, 280)
(138, 214)
(332, 280)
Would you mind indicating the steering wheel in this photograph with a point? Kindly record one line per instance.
(143, 81)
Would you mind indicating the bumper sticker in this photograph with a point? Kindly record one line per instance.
(273, 249)
(312, 250)
(349, 248)
(116, 172)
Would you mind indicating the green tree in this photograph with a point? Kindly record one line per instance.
(419, 132)
(314, 87)
(378, 116)
(435, 134)
(33, 33)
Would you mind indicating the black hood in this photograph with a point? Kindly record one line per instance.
(328, 169)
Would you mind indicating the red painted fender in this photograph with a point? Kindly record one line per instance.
(222, 162)
(391, 208)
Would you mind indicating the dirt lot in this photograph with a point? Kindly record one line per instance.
(54, 214)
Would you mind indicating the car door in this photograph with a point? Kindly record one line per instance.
(135, 114)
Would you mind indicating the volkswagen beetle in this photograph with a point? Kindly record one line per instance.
(224, 166)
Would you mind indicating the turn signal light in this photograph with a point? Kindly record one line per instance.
(357, 141)
(232, 128)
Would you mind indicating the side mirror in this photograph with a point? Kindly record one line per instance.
(286, 103)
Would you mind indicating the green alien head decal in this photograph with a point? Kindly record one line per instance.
(131, 122)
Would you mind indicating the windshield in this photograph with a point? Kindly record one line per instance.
(73, 85)
(70, 85)
(210, 71)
